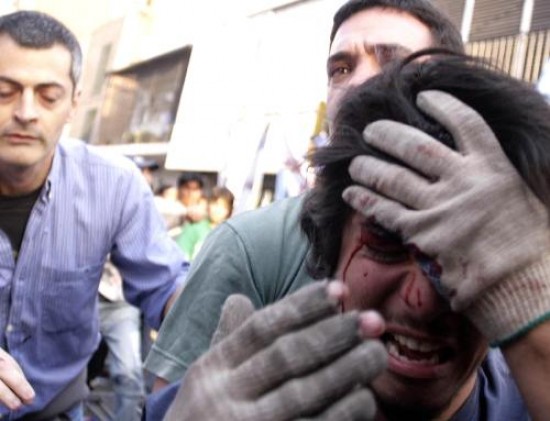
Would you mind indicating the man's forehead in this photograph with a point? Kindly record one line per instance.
(28, 65)
(381, 26)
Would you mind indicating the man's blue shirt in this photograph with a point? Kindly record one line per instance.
(89, 206)
(496, 396)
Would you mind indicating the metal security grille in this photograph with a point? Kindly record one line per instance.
(454, 9)
(538, 51)
(495, 18)
(499, 51)
(541, 15)
(521, 55)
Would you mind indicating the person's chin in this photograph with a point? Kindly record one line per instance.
(399, 411)
(430, 396)
(417, 384)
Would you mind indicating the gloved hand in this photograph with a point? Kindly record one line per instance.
(468, 209)
(295, 359)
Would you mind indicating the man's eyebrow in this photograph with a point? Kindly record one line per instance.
(401, 50)
(338, 56)
(42, 85)
(10, 81)
(46, 85)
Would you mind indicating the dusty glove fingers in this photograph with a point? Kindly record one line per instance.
(306, 306)
(236, 309)
(298, 353)
(469, 130)
(391, 180)
(389, 214)
(411, 147)
(318, 391)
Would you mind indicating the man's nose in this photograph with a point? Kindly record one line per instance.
(420, 296)
(26, 110)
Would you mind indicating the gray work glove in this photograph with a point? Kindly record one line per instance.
(469, 210)
(296, 359)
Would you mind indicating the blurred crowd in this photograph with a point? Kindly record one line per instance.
(190, 209)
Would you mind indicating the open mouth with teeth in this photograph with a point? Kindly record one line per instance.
(415, 351)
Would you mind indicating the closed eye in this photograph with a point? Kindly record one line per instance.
(386, 255)
(383, 248)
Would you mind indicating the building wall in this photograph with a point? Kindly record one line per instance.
(541, 15)
(495, 18)
(454, 9)
(266, 69)
(97, 62)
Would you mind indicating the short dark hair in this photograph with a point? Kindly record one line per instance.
(189, 177)
(38, 30)
(518, 115)
(444, 33)
(225, 194)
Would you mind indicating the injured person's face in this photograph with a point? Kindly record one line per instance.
(433, 352)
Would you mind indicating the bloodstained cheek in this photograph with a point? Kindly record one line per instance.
(359, 244)
(413, 295)
(356, 250)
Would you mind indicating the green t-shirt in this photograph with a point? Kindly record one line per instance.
(261, 254)
(192, 237)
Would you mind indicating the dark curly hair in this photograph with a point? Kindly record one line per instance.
(518, 115)
(444, 33)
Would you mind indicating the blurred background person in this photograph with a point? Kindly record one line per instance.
(167, 191)
(120, 327)
(191, 195)
(172, 210)
(220, 205)
(193, 234)
(147, 167)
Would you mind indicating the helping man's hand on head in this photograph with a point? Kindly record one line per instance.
(468, 209)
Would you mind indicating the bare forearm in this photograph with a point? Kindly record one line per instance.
(529, 361)
(159, 383)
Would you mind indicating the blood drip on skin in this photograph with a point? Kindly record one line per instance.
(358, 247)
(409, 292)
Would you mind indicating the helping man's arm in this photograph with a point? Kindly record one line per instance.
(159, 382)
(152, 266)
(530, 365)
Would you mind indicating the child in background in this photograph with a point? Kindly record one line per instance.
(219, 208)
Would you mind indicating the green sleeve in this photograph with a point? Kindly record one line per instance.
(216, 273)
(260, 254)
